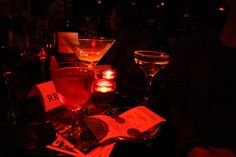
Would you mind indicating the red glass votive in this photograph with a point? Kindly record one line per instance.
(104, 90)
(109, 74)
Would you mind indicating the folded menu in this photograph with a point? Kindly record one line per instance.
(128, 124)
(61, 144)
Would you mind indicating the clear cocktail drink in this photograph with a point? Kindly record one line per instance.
(93, 49)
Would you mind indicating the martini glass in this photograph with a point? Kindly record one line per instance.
(151, 62)
(91, 50)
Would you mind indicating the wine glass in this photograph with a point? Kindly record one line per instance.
(73, 81)
(41, 41)
(13, 46)
(91, 50)
(151, 62)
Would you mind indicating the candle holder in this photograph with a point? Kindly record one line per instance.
(104, 91)
(109, 74)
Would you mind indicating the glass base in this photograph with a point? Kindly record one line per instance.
(146, 101)
(82, 138)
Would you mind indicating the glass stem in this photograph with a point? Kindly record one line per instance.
(42, 56)
(43, 70)
(148, 87)
(77, 119)
(11, 114)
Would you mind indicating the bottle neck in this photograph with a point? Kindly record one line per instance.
(69, 23)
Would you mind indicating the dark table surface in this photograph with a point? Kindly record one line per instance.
(28, 137)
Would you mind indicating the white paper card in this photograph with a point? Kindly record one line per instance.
(48, 95)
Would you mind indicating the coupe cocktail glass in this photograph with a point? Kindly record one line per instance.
(73, 81)
(151, 62)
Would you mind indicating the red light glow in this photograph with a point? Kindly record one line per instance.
(221, 9)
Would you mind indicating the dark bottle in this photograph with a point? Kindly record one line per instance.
(66, 35)
(10, 42)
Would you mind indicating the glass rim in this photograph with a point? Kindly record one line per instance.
(155, 51)
(84, 38)
(76, 64)
(147, 52)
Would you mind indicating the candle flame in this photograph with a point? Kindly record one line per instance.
(104, 89)
(109, 74)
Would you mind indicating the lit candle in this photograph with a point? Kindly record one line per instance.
(109, 74)
(104, 90)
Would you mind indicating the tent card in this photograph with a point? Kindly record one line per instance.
(48, 95)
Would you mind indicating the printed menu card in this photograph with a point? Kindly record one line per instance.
(128, 124)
